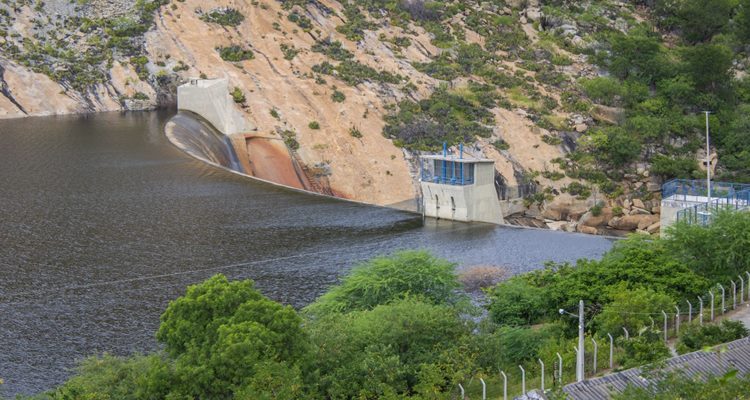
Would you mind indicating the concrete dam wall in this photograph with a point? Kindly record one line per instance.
(264, 158)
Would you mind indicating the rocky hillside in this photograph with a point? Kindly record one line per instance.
(359, 88)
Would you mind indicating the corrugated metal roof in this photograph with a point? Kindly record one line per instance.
(736, 356)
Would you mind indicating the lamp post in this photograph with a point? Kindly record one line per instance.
(579, 359)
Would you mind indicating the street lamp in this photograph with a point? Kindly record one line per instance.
(579, 357)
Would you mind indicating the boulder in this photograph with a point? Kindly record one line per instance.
(593, 221)
(638, 203)
(588, 229)
(647, 221)
(632, 222)
(556, 225)
(533, 14)
(654, 228)
(565, 207)
(639, 211)
(580, 128)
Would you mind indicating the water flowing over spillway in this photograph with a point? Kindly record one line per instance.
(103, 221)
(196, 137)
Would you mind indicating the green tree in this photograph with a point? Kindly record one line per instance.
(720, 250)
(631, 309)
(708, 65)
(385, 351)
(517, 302)
(637, 55)
(385, 279)
(700, 20)
(742, 21)
(220, 332)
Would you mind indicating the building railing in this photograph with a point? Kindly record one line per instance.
(447, 172)
(703, 213)
(689, 189)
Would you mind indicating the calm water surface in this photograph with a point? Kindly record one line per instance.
(103, 221)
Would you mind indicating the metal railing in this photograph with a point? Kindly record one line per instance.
(685, 189)
(703, 213)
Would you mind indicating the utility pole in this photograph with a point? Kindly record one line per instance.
(708, 162)
(580, 372)
(579, 365)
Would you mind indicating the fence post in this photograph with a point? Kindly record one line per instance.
(542, 364)
(611, 350)
(559, 369)
(690, 311)
(742, 289)
(677, 321)
(596, 351)
(747, 273)
(627, 334)
(505, 385)
(723, 308)
(712, 304)
(484, 389)
(666, 335)
(463, 393)
(700, 299)
(523, 380)
(734, 295)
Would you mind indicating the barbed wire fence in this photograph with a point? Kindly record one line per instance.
(713, 305)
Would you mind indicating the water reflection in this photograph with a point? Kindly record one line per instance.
(102, 222)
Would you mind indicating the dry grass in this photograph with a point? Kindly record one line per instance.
(481, 276)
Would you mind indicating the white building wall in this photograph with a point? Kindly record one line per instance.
(210, 99)
(477, 202)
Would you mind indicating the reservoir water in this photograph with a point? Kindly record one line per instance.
(103, 221)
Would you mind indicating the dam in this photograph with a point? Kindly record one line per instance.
(105, 221)
(209, 128)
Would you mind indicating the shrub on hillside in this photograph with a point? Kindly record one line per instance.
(224, 16)
(235, 53)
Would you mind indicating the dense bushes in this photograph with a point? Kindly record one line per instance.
(664, 89)
(697, 337)
(447, 116)
(516, 302)
(384, 279)
(224, 16)
(235, 53)
(354, 72)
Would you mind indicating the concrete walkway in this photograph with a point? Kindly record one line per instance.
(742, 314)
